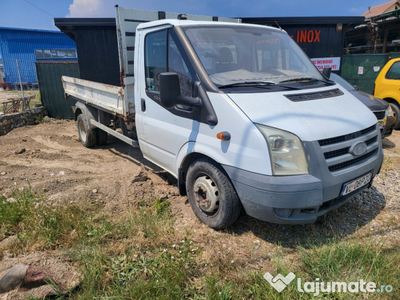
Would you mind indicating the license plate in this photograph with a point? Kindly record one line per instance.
(356, 184)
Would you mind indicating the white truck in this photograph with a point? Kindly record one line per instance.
(238, 114)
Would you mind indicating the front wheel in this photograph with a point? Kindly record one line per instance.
(396, 112)
(211, 195)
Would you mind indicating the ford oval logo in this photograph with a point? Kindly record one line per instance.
(358, 149)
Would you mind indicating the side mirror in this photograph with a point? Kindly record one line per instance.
(327, 72)
(357, 88)
(170, 93)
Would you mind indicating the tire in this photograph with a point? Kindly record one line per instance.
(101, 137)
(211, 195)
(87, 135)
(396, 111)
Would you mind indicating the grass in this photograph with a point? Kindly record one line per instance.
(139, 255)
(42, 225)
(345, 261)
(390, 163)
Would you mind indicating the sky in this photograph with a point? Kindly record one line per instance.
(40, 14)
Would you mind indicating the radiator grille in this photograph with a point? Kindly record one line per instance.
(337, 150)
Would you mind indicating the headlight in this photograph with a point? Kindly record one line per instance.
(286, 151)
(389, 112)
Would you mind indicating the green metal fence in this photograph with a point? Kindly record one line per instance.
(362, 69)
(51, 89)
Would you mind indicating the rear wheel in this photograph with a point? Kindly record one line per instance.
(87, 135)
(211, 194)
(396, 112)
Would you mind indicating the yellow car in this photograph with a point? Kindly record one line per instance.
(387, 87)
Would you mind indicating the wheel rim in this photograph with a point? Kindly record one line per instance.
(82, 131)
(206, 194)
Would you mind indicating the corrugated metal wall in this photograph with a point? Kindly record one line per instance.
(98, 54)
(20, 44)
(51, 89)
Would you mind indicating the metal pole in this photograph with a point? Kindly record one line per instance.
(20, 84)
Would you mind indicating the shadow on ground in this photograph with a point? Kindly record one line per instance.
(337, 224)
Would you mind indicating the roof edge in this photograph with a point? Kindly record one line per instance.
(305, 20)
(84, 22)
(29, 29)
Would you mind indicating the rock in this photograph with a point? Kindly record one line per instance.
(13, 278)
(20, 150)
(140, 175)
(50, 278)
(35, 277)
(7, 242)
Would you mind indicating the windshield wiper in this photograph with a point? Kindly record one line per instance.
(247, 83)
(300, 79)
(258, 84)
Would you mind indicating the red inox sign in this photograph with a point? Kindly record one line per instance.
(307, 36)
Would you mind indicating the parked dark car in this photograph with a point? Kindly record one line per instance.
(379, 107)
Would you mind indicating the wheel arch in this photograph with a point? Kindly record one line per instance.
(186, 162)
(88, 112)
(78, 112)
(392, 100)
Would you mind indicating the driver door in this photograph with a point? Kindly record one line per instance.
(163, 133)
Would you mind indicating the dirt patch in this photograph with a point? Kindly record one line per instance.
(55, 164)
(52, 160)
(55, 266)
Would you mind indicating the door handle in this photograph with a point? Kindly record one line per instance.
(143, 104)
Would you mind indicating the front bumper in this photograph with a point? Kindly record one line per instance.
(302, 199)
(268, 198)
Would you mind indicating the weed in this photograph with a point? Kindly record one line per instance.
(39, 120)
(40, 224)
(161, 205)
(13, 211)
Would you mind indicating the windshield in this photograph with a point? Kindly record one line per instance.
(234, 55)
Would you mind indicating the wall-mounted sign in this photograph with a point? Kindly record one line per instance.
(328, 62)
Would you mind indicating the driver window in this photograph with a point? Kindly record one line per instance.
(159, 60)
(155, 59)
(177, 64)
